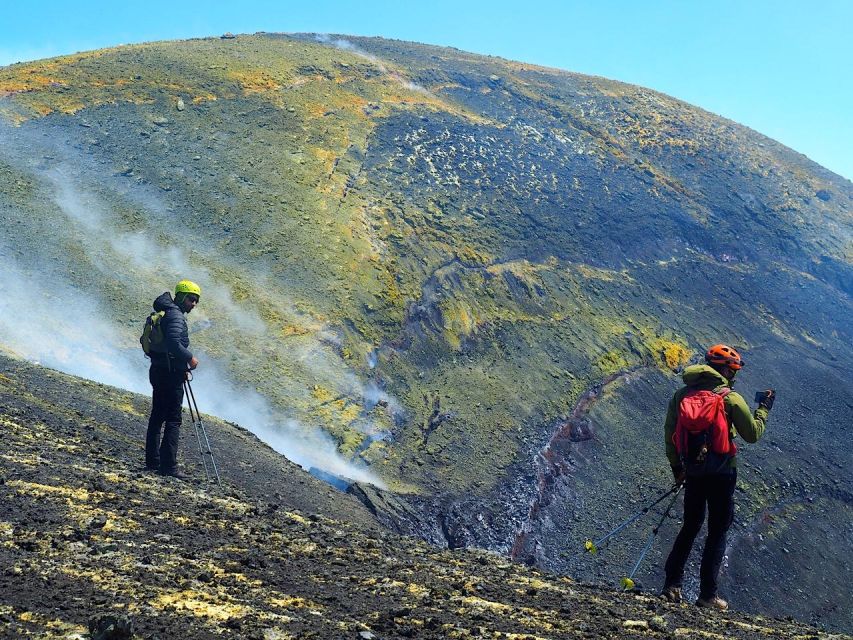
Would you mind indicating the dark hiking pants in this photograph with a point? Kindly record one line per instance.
(166, 403)
(717, 491)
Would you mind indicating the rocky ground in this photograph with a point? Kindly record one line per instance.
(275, 554)
(454, 252)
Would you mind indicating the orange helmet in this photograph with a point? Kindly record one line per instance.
(724, 355)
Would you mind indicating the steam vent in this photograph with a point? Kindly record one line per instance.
(446, 299)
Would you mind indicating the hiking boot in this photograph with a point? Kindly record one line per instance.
(715, 602)
(173, 474)
(672, 593)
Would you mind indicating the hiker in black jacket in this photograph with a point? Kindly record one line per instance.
(170, 361)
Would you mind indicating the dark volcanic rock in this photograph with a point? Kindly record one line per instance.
(193, 563)
(111, 628)
(455, 253)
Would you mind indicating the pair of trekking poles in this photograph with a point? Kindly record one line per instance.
(593, 547)
(211, 472)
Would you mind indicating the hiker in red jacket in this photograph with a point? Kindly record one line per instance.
(701, 423)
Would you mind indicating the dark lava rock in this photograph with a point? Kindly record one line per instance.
(111, 628)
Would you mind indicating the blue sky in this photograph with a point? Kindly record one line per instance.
(784, 68)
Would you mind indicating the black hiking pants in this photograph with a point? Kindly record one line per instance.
(717, 492)
(166, 404)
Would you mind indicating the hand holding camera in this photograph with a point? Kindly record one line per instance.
(765, 398)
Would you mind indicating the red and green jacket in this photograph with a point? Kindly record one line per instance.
(748, 425)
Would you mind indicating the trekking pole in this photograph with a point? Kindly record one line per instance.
(628, 581)
(593, 547)
(201, 432)
(195, 428)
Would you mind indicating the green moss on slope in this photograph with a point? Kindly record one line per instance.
(494, 235)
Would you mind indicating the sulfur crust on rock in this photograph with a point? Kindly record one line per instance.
(500, 248)
(199, 604)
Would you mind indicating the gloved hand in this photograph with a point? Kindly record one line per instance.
(768, 399)
(678, 474)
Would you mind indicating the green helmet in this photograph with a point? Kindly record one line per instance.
(187, 286)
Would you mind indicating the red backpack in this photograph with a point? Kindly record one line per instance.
(702, 438)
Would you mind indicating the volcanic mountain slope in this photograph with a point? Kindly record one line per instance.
(85, 535)
(477, 275)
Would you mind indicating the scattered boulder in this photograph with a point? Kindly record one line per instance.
(111, 628)
(635, 624)
(180, 106)
(658, 623)
(227, 36)
(824, 195)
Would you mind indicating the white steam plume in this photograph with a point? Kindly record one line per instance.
(142, 252)
(52, 333)
(306, 447)
(65, 330)
(346, 45)
(53, 324)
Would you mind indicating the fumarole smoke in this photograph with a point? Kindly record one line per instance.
(69, 325)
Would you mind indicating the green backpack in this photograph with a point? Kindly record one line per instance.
(152, 334)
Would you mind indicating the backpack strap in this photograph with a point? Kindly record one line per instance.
(723, 390)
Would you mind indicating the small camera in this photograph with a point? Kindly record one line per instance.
(764, 396)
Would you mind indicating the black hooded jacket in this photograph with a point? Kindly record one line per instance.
(176, 336)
